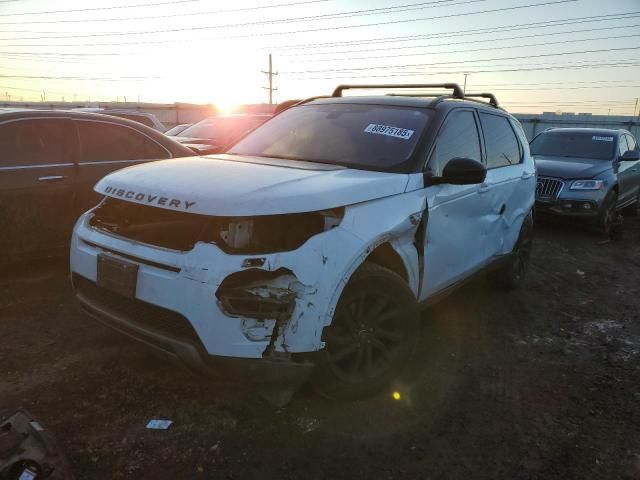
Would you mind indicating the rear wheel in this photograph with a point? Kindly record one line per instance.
(512, 274)
(374, 333)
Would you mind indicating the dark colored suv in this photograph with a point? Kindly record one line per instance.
(587, 173)
(49, 163)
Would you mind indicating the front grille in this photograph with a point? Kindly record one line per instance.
(136, 312)
(548, 189)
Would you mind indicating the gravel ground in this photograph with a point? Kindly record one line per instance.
(540, 383)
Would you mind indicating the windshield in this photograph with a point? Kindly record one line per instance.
(598, 146)
(374, 137)
(223, 130)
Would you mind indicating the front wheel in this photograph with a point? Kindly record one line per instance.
(374, 333)
(608, 214)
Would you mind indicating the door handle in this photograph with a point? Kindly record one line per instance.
(526, 176)
(52, 178)
(483, 188)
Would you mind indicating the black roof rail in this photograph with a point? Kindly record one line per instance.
(457, 91)
(493, 101)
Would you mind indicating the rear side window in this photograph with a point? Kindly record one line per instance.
(101, 142)
(458, 139)
(503, 148)
(34, 142)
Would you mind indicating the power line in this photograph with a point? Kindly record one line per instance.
(541, 55)
(408, 38)
(518, 37)
(293, 32)
(191, 14)
(469, 50)
(328, 16)
(116, 7)
(504, 28)
(455, 72)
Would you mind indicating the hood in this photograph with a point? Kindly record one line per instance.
(227, 185)
(569, 168)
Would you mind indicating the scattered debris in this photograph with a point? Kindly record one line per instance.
(29, 452)
(579, 272)
(157, 424)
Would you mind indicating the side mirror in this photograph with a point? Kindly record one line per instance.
(461, 171)
(630, 156)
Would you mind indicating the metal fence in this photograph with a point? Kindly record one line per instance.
(534, 124)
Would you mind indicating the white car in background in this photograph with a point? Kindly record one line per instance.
(306, 251)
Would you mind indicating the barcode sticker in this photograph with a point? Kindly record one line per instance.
(390, 131)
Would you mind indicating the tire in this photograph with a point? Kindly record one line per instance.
(608, 215)
(373, 335)
(513, 273)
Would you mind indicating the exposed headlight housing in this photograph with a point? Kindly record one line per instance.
(587, 184)
(273, 233)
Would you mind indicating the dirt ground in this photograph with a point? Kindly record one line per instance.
(542, 383)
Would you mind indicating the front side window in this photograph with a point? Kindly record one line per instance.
(632, 142)
(34, 142)
(572, 144)
(502, 144)
(100, 141)
(458, 139)
(370, 137)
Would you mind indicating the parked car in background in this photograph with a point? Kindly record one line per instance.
(172, 132)
(587, 173)
(49, 163)
(148, 119)
(214, 134)
(308, 247)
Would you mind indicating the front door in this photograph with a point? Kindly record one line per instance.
(36, 187)
(456, 228)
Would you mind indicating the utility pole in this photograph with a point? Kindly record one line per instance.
(634, 108)
(271, 73)
(464, 89)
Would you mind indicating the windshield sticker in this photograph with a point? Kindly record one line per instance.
(602, 139)
(395, 132)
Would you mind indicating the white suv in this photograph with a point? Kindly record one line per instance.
(306, 251)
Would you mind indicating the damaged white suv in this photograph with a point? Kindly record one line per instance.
(306, 251)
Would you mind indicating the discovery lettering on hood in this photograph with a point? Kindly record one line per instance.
(147, 198)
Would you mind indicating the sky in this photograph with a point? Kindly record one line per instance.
(534, 55)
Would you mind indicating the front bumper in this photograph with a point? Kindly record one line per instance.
(585, 204)
(171, 334)
(183, 285)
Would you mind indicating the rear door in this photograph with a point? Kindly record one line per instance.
(507, 194)
(105, 147)
(36, 187)
(456, 229)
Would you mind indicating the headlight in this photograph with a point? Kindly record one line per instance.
(276, 233)
(587, 185)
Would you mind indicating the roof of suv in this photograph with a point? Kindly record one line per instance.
(595, 131)
(407, 101)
